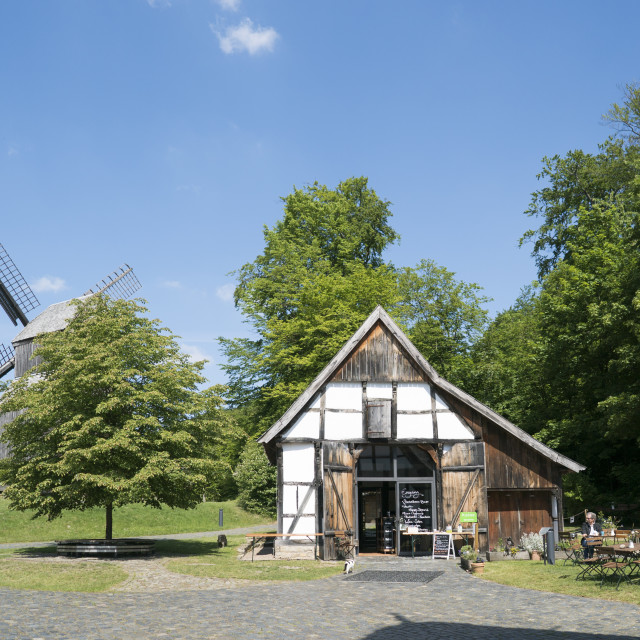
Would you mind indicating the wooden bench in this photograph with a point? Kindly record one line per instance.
(347, 548)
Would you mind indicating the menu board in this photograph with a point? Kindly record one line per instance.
(442, 545)
(415, 506)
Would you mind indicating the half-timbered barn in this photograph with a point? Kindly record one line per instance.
(379, 441)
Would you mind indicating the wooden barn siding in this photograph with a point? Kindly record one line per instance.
(24, 351)
(511, 464)
(513, 513)
(5, 418)
(455, 484)
(378, 358)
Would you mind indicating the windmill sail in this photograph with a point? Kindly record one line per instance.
(7, 359)
(16, 297)
(122, 283)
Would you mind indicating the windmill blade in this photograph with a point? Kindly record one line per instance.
(122, 283)
(7, 359)
(16, 297)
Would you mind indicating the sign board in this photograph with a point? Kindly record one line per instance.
(469, 516)
(442, 546)
(415, 506)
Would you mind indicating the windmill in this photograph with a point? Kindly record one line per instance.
(17, 299)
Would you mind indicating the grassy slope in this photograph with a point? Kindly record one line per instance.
(130, 520)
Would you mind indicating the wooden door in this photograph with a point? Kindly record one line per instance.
(513, 513)
(338, 480)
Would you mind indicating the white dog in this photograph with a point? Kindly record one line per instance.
(348, 565)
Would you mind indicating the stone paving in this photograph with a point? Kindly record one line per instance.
(455, 605)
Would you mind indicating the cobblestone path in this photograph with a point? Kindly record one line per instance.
(453, 606)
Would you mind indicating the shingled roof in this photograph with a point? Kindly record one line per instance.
(53, 318)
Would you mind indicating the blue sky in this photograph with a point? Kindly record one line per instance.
(163, 133)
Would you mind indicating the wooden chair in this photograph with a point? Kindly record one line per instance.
(622, 534)
(592, 565)
(611, 568)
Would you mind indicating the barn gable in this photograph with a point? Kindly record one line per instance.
(381, 352)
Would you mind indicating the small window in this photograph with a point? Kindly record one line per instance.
(379, 418)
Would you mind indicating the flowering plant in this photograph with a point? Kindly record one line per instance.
(532, 542)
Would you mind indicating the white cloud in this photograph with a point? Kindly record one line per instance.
(172, 284)
(225, 292)
(12, 151)
(49, 283)
(245, 37)
(229, 5)
(155, 4)
(195, 353)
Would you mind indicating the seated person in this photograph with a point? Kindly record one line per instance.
(590, 528)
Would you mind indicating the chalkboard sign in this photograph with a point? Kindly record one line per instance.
(442, 545)
(415, 506)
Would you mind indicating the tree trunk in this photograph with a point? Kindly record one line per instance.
(109, 528)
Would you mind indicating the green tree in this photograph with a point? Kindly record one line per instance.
(591, 354)
(578, 181)
(443, 316)
(320, 275)
(625, 117)
(505, 373)
(112, 416)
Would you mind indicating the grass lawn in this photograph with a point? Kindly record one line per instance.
(26, 568)
(224, 563)
(87, 576)
(558, 578)
(128, 521)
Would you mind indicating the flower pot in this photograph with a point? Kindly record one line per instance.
(477, 567)
(536, 555)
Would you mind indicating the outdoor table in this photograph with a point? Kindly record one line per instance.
(462, 534)
(625, 551)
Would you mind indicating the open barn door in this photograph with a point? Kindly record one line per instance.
(338, 479)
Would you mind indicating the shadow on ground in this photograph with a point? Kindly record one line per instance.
(449, 630)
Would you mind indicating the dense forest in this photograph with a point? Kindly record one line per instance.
(563, 362)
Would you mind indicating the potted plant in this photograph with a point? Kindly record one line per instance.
(477, 567)
(467, 556)
(532, 542)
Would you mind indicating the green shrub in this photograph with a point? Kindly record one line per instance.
(256, 480)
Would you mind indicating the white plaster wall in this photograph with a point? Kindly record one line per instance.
(379, 390)
(304, 525)
(450, 426)
(306, 426)
(415, 425)
(342, 426)
(298, 462)
(440, 403)
(344, 395)
(293, 496)
(315, 403)
(414, 396)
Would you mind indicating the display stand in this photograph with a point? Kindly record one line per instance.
(443, 546)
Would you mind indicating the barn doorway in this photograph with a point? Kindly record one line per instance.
(395, 485)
